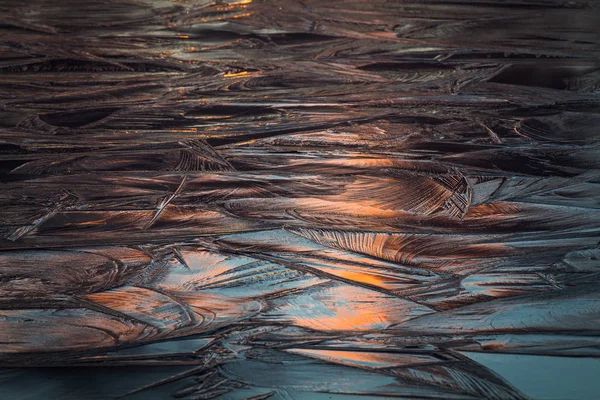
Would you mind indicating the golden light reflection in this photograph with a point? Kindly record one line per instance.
(365, 359)
(236, 74)
(359, 276)
(346, 308)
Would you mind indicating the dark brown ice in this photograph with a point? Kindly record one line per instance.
(308, 199)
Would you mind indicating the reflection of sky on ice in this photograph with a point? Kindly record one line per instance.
(244, 199)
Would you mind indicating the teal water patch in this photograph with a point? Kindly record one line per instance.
(546, 378)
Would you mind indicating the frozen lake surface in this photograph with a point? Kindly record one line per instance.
(307, 199)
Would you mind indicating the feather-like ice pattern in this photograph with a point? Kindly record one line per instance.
(256, 199)
(60, 273)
